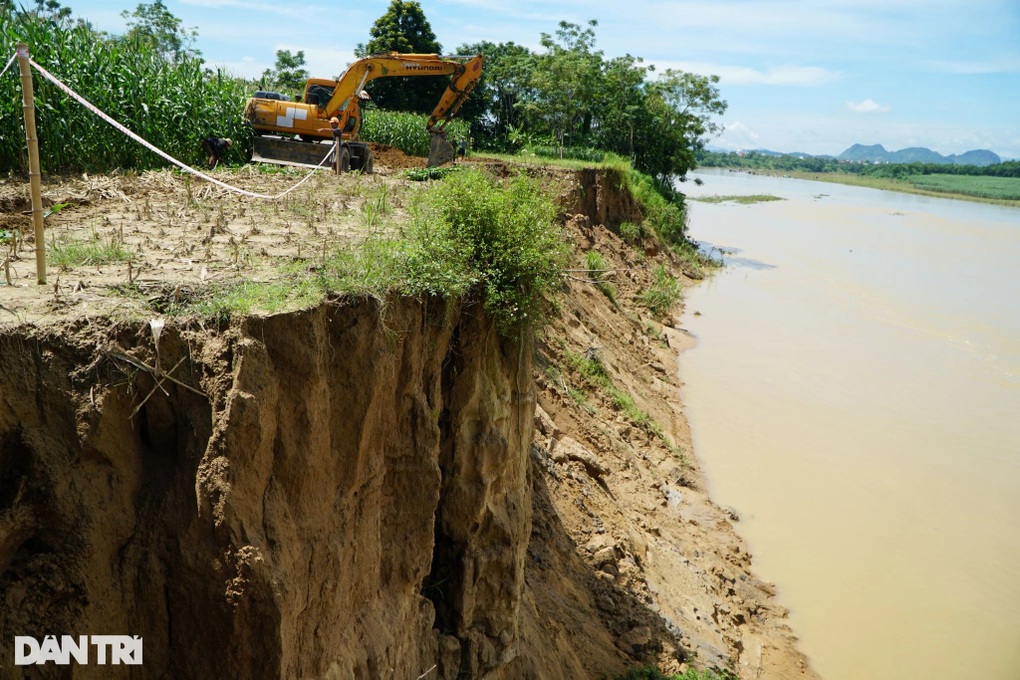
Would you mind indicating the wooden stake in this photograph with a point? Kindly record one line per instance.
(34, 167)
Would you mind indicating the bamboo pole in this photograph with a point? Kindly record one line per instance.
(34, 168)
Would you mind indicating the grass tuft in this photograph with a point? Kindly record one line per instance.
(598, 270)
(67, 253)
(663, 294)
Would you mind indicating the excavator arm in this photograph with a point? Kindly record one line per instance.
(465, 77)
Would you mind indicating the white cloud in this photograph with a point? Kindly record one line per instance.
(738, 136)
(319, 62)
(788, 76)
(322, 62)
(868, 106)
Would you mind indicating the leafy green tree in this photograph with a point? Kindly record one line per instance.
(48, 12)
(497, 106)
(682, 106)
(51, 9)
(156, 26)
(568, 78)
(403, 28)
(288, 75)
(621, 106)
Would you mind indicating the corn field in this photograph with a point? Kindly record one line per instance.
(998, 188)
(406, 131)
(171, 104)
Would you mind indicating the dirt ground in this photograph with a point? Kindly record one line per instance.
(629, 558)
(184, 232)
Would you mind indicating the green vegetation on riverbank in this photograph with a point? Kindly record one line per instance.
(998, 183)
(652, 673)
(951, 187)
(745, 200)
(996, 188)
(468, 236)
(664, 208)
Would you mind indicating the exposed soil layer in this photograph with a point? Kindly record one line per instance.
(392, 158)
(353, 490)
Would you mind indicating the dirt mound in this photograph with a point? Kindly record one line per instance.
(391, 157)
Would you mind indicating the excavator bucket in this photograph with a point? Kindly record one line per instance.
(440, 149)
(290, 152)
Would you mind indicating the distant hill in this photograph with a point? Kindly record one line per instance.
(777, 154)
(977, 157)
(876, 153)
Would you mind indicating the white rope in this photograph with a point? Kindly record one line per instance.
(87, 104)
(9, 62)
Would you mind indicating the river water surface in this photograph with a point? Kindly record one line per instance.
(854, 393)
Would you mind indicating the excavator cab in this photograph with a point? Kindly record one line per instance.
(318, 95)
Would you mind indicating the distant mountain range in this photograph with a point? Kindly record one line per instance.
(876, 153)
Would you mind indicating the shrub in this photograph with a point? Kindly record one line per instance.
(598, 269)
(652, 673)
(505, 235)
(664, 209)
(664, 292)
(632, 233)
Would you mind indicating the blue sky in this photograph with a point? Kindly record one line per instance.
(799, 75)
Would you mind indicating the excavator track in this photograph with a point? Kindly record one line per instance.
(292, 152)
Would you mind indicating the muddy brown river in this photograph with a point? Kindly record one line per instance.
(854, 393)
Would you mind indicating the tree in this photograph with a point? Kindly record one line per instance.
(405, 29)
(46, 11)
(684, 104)
(497, 106)
(288, 75)
(568, 78)
(621, 106)
(52, 10)
(155, 25)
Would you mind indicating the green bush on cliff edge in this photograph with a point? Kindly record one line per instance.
(469, 236)
(505, 235)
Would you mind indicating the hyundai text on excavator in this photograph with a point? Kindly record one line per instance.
(292, 133)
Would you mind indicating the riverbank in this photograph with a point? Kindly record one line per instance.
(173, 307)
(868, 181)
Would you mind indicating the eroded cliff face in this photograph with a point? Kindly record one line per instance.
(298, 501)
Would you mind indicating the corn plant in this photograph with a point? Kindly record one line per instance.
(406, 131)
(171, 104)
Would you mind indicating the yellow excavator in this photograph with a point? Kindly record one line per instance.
(296, 133)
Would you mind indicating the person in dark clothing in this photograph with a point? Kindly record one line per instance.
(214, 148)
